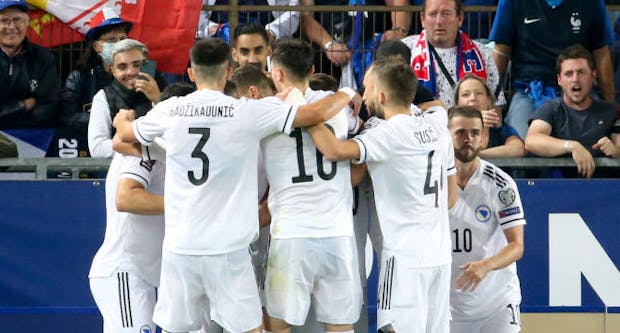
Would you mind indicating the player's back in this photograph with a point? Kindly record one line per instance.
(309, 196)
(211, 178)
(408, 176)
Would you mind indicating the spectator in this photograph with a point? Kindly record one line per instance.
(498, 138)
(442, 53)
(251, 45)
(341, 41)
(475, 24)
(30, 83)
(130, 89)
(284, 24)
(575, 123)
(531, 34)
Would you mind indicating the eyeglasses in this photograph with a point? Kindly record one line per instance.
(17, 21)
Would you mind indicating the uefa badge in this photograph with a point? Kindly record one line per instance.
(483, 213)
(507, 196)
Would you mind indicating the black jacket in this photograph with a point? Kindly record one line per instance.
(30, 73)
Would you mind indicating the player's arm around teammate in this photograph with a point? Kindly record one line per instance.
(132, 197)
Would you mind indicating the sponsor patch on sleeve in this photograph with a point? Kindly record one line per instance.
(509, 212)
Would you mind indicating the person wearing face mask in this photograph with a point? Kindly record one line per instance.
(498, 138)
(92, 73)
(130, 89)
(28, 76)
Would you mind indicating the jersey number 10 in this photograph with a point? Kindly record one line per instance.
(303, 177)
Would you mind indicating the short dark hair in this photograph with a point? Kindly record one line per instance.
(458, 4)
(465, 111)
(457, 87)
(295, 55)
(247, 76)
(576, 51)
(250, 29)
(230, 89)
(397, 77)
(323, 81)
(208, 57)
(393, 47)
(177, 89)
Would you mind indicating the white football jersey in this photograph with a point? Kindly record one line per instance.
(132, 242)
(212, 142)
(406, 162)
(489, 204)
(309, 196)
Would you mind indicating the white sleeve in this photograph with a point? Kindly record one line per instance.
(450, 167)
(509, 208)
(285, 23)
(136, 169)
(374, 144)
(271, 115)
(100, 127)
(153, 124)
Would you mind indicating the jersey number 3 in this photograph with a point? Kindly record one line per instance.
(198, 153)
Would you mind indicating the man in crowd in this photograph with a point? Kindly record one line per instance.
(30, 84)
(487, 236)
(442, 54)
(130, 89)
(410, 166)
(575, 123)
(212, 148)
(532, 33)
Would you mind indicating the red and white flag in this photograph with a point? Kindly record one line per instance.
(167, 27)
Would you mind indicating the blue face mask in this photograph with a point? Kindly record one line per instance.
(554, 3)
(106, 53)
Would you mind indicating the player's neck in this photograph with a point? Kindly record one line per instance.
(395, 110)
(302, 85)
(464, 171)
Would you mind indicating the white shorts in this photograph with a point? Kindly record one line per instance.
(125, 301)
(222, 287)
(413, 300)
(321, 269)
(506, 320)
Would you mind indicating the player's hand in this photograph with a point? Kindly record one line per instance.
(148, 86)
(338, 53)
(490, 118)
(123, 115)
(356, 104)
(473, 273)
(583, 159)
(605, 145)
(29, 103)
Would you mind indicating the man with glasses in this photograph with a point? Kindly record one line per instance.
(28, 77)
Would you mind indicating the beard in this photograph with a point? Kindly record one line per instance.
(467, 154)
(375, 110)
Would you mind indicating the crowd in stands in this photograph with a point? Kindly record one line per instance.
(513, 81)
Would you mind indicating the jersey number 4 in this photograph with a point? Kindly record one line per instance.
(198, 153)
(303, 177)
(428, 189)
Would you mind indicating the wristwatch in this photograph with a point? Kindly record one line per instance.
(328, 45)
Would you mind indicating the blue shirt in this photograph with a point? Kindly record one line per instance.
(537, 33)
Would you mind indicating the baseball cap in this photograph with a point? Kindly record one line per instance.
(104, 18)
(21, 4)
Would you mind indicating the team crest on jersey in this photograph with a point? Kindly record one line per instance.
(483, 213)
(507, 196)
(146, 329)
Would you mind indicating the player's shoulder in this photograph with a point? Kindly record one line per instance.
(492, 174)
(314, 95)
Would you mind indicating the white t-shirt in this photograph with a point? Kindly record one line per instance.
(489, 204)
(309, 196)
(406, 162)
(132, 242)
(212, 143)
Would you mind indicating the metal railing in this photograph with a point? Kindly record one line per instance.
(80, 168)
